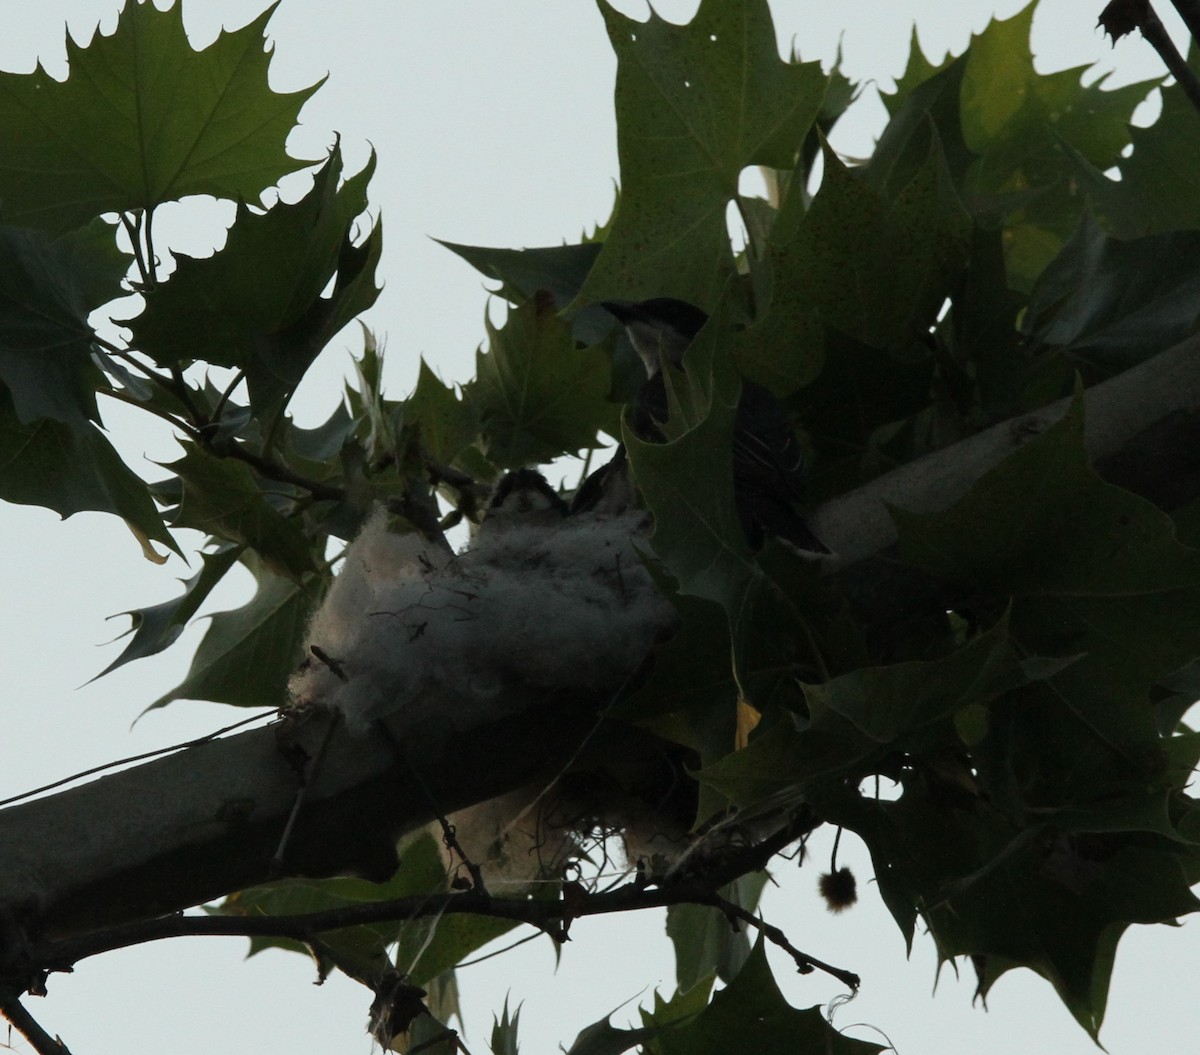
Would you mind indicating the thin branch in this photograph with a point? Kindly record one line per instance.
(25, 1024)
(551, 917)
(206, 738)
(1157, 37)
(275, 471)
(805, 964)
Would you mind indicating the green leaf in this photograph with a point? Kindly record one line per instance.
(918, 70)
(750, 1014)
(877, 270)
(559, 269)
(48, 287)
(887, 703)
(536, 394)
(430, 947)
(504, 1031)
(687, 483)
(257, 305)
(248, 653)
(142, 119)
(223, 498)
(446, 422)
(159, 626)
(1043, 523)
(1110, 304)
(696, 104)
(1019, 123)
(1054, 901)
(72, 468)
(1157, 189)
(925, 113)
(603, 1038)
(422, 871)
(704, 941)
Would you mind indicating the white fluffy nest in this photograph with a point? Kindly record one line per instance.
(561, 607)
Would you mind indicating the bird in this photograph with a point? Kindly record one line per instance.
(768, 460)
(523, 498)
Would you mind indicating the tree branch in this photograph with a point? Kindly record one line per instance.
(185, 829)
(1159, 396)
(551, 917)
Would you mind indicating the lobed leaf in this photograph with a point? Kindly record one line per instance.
(141, 119)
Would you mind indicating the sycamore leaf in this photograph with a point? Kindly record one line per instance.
(918, 70)
(248, 653)
(876, 269)
(360, 948)
(223, 498)
(158, 627)
(696, 104)
(447, 423)
(1013, 117)
(141, 119)
(1156, 191)
(687, 482)
(257, 305)
(1111, 303)
(48, 287)
(1017, 121)
(536, 394)
(603, 1038)
(1053, 900)
(1095, 572)
(560, 269)
(70, 468)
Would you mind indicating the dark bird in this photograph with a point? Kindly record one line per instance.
(523, 498)
(768, 461)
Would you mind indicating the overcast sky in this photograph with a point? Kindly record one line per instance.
(493, 124)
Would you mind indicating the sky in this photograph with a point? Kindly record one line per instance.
(493, 125)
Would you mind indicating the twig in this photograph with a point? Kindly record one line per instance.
(25, 1024)
(206, 738)
(449, 835)
(550, 917)
(1120, 17)
(283, 474)
(805, 964)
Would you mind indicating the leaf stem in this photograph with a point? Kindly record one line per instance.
(133, 229)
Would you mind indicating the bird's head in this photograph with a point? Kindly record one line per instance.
(660, 329)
